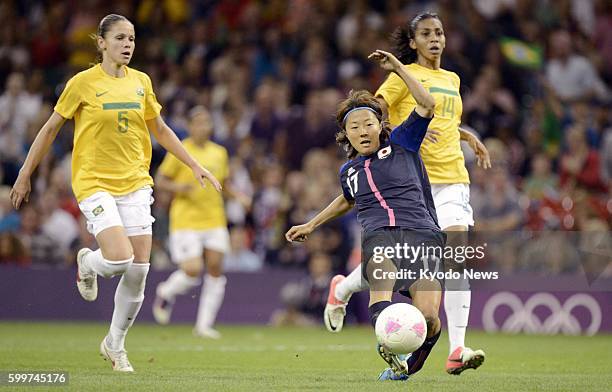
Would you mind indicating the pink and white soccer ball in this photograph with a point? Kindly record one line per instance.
(401, 328)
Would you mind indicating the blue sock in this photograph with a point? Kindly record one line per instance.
(375, 310)
(417, 359)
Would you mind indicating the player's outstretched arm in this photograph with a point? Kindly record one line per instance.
(482, 154)
(166, 183)
(336, 208)
(425, 101)
(47, 134)
(168, 140)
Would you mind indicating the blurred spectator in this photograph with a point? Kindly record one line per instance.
(57, 224)
(12, 250)
(489, 104)
(9, 218)
(18, 108)
(500, 210)
(305, 300)
(580, 164)
(571, 75)
(40, 248)
(541, 183)
(240, 258)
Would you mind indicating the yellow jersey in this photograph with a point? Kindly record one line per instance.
(200, 208)
(112, 145)
(443, 160)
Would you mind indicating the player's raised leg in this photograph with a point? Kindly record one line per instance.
(180, 282)
(341, 289)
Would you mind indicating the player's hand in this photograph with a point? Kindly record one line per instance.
(482, 154)
(299, 233)
(202, 175)
(386, 60)
(432, 135)
(20, 191)
(245, 201)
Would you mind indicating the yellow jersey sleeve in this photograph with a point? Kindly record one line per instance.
(170, 166)
(152, 107)
(392, 90)
(70, 100)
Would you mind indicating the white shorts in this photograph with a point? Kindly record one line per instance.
(132, 211)
(452, 203)
(189, 244)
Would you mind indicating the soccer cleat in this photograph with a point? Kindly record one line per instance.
(389, 375)
(397, 362)
(208, 333)
(118, 359)
(335, 310)
(464, 358)
(87, 283)
(162, 310)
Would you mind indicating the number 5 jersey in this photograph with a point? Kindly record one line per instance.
(112, 145)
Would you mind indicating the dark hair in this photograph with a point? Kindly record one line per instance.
(401, 36)
(105, 25)
(355, 99)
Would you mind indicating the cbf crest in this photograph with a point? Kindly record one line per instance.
(140, 91)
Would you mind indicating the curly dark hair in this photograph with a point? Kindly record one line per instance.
(355, 99)
(401, 36)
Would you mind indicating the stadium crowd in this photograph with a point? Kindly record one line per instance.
(536, 79)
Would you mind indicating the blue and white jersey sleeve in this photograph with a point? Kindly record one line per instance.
(411, 132)
(345, 183)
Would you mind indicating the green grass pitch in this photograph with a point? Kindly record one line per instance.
(282, 359)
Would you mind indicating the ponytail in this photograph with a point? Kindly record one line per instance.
(401, 36)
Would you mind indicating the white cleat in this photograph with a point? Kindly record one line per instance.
(333, 316)
(162, 310)
(118, 359)
(207, 333)
(335, 310)
(87, 283)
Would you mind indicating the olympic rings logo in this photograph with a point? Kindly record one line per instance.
(524, 319)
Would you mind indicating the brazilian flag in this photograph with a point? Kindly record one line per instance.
(521, 53)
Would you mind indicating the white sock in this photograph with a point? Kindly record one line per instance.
(128, 300)
(353, 283)
(178, 283)
(211, 297)
(457, 307)
(94, 261)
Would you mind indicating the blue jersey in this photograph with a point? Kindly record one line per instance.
(390, 187)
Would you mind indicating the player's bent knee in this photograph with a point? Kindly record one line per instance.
(192, 268)
(118, 255)
(111, 268)
(431, 316)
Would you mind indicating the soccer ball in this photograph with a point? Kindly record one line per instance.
(401, 328)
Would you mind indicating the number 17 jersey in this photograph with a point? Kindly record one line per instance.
(112, 146)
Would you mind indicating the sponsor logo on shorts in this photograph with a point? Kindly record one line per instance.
(98, 210)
